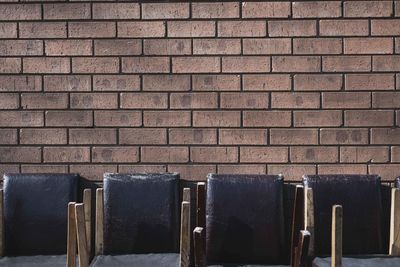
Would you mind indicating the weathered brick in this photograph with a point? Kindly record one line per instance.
(20, 83)
(166, 118)
(267, 82)
(246, 64)
(167, 47)
(166, 82)
(241, 169)
(21, 119)
(191, 28)
(313, 154)
(142, 136)
(165, 10)
(116, 11)
(68, 47)
(386, 63)
(21, 47)
(216, 46)
(216, 82)
(397, 9)
(148, 168)
(267, 118)
(69, 118)
(66, 11)
(368, 45)
(187, 136)
(94, 101)
(145, 65)
(369, 82)
(346, 63)
(141, 29)
(8, 168)
(291, 172)
(220, 154)
(317, 9)
(386, 99)
(8, 137)
(215, 10)
(317, 46)
(46, 65)
(95, 65)
(92, 136)
(44, 101)
(144, 100)
(117, 47)
(342, 168)
(395, 154)
(317, 118)
(153, 154)
(388, 172)
(244, 100)
(250, 154)
(9, 101)
(67, 83)
(295, 100)
(42, 29)
(343, 27)
(267, 46)
(292, 28)
(44, 168)
(344, 136)
(294, 136)
(387, 27)
(91, 29)
(125, 154)
(10, 65)
(216, 118)
(346, 100)
(195, 64)
(20, 154)
(243, 137)
(116, 83)
(242, 28)
(371, 154)
(193, 100)
(296, 64)
(368, 118)
(265, 9)
(193, 172)
(368, 8)
(8, 30)
(117, 118)
(318, 82)
(20, 12)
(93, 172)
(66, 154)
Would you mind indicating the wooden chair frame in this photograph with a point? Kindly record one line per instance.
(184, 250)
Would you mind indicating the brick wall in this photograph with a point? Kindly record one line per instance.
(234, 87)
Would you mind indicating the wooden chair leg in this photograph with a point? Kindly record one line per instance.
(71, 236)
(99, 222)
(301, 252)
(297, 220)
(185, 235)
(87, 201)
(336, 249)
(199, 247)
(394, 245)
(201, 205)
(309, 217)
(83, 254)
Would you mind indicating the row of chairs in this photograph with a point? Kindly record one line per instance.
(240, 220)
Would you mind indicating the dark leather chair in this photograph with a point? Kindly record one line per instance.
(244, 222)
(138, 221)
(358, 230)
(36, 219)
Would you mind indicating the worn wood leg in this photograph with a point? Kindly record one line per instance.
(185, 235)
(199, 247)
(394, 245)
(71, 236)
(99, 221)
(201, 205)
(87, 201)
(83, 254)
(336, 249)
(302, 249)
(309, 217)
(297, 220)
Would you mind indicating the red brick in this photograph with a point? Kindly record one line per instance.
(91, 29)
(116, 83)
(144, 100)
(94, 101)
(116, 11)
(216, 46)
(9, 101)
(246, 64)
(291, 172)
(68, 47)
(295, 100)
(20, 154)
(385, 27)
(8, 168)
(220, 154)
(20, 83)
(397, 45)
(93, 172)
(267, 118)
(8, 137)
(92, 136)
(388, 172)
(318, 82)
(21, 119)
(342, 168)
(242, 28)
(142, 136)
(312, 154)
(152, 154)
(46, 65)
(216, 118)
(318, 118)
(267, 46)
(317, 46)
(42, 168)
(95, 65)
(386, 100)
(8, 30)
(265, 9)
(21, 48)
(368, 45)
(145, 65)
(166, 82)
(193, 100)
(369, 82)
(296, 64)
(195, 64)
(317, 9)
(166, 118)
(294, 136)
(344, 136)
(141, 29)
(66, 11)
(354, 154)
(397, 9)
(242, 169)
(244, 100)
(165, 10)
(193, 172)
(66, 154)
(395, 154)
(216, 82)
(69, 118)
(368, 8)
(67, 83)
(243, 137)
(117, 118)
(215, 10)
(167, 47)
(368, 118)
(44, 101)
(250, 154)
(125, 154)
(346, 100)
(267, 82)
(343, 27)
(42, 30)
(10, 65)
(191, 28)
(20, 12)
(386, 63)
(346, 63)
(292, 28)
(142, 168)
(187, 136)
(117, 47)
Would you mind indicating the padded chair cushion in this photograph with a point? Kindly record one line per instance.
(244, 219)
(137, 260)
(141, 213)
(36, 212)
(34, 261)
(360, 196)
(378, 261)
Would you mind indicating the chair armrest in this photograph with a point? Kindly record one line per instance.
(99, 231)
(83, 253)
(185, 235)
(297, 220)
(336, 248)
(199, 247)
(394, 245)
(301, 253)
(201, 205)
(87, 201)
(71, 236)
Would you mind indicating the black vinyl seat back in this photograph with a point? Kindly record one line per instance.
(244, 219)
(360, 197)
(397, 182)
(141, 213)
(36, 212)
